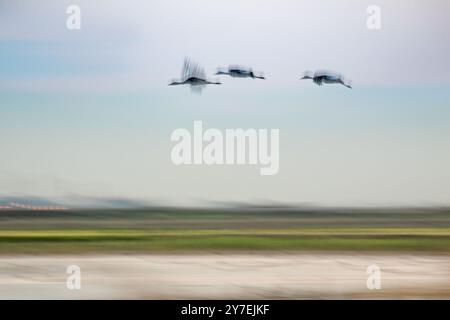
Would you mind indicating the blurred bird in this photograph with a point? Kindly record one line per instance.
(320, 77)
(237, 71)
(194, 75)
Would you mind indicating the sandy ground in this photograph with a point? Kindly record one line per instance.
(226, 276)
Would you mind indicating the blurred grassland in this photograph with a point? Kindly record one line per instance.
(175, 230)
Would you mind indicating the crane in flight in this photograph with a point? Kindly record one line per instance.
(194, 75)
(322, 76)
(237, 71)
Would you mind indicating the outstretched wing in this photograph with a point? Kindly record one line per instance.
(318, 80)
(327, 73)
(192, 69)
(321, 76)
(239, 69)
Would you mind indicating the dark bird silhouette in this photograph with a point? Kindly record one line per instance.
(320, 77)
(237, 71)
(194, 75)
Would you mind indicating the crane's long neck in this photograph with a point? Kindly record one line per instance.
(308, 75)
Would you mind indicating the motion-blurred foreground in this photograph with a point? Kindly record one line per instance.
(246, 252)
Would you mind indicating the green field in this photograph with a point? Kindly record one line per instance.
(169, 230)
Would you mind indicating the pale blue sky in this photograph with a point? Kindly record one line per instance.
(89, 112)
